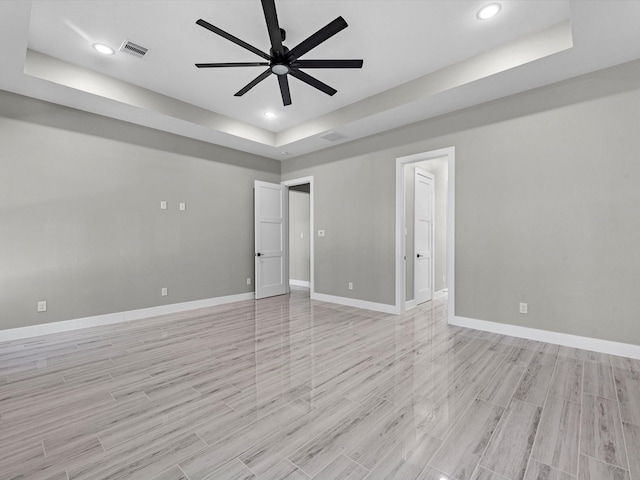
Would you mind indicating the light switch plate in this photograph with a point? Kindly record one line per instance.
(321, 233)
(183, 206)
(163, 205)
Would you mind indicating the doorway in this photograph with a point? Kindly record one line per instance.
(301, 230)
(441, 164)
(299, 236)
(272, 214)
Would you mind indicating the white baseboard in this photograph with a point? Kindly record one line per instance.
(110, 318)
(353, 302)
(412, 303)
(299, 283)
(568, 340)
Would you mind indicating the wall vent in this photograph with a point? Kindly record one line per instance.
(134, 49)
(334, 137)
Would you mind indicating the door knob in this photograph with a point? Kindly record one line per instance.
(258, 254)
(420, 256)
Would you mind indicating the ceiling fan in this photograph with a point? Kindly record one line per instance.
(281, 61)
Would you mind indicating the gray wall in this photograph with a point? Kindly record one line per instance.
(358, 244)
(299, 235)
(438, 168)
(547, 207)
(80, 223)
(547, 210)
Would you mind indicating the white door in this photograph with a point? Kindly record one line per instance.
(423, 236)
(270, 209)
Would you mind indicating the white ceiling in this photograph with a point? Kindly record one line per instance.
(421, 59)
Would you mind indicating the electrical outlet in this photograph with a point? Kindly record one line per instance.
(164, 292)
(350, 285)
(42, 306)
(248, 280)
(524, 308)
(163, 205)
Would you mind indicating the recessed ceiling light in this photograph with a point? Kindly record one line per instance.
(103, 49)
(489, 11)
(270, 115)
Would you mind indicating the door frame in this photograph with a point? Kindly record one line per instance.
(449, 153)
(292, 183)
(432, 268)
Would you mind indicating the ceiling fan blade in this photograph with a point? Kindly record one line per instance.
(314, 82)
(328, 63)
(284, 90)
(253, 83)
(317, 38)
(231, 38)
(232, 64)
(271, 17)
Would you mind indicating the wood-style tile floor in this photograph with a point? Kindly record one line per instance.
(288, 388)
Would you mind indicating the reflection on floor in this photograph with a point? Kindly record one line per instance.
(292, 388)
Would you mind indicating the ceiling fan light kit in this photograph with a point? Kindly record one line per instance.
(281, 61)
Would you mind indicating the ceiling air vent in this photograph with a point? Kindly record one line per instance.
(134, 49)
(334, 137)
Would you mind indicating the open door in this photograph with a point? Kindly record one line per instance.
(270, 211)
(423, 236)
